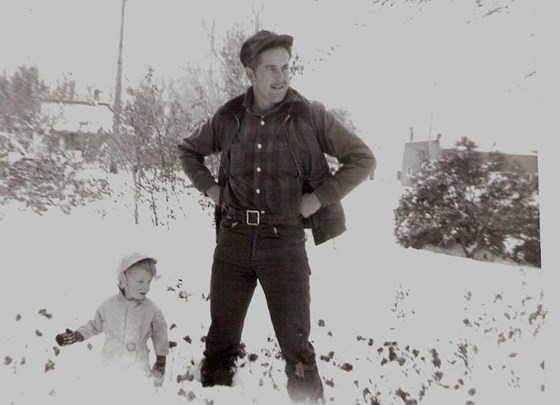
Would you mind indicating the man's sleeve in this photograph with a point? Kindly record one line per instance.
(356, 157)
(192, 151)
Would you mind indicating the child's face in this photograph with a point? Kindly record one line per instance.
(137, 283)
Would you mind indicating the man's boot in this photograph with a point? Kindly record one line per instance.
(217, 371)
(304, 384)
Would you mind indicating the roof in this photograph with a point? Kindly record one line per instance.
(78, 117)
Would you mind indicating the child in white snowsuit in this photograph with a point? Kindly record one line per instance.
(128, 319)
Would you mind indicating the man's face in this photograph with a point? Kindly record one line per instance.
(270, 78)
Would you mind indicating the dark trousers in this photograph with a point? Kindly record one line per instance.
(276, 257)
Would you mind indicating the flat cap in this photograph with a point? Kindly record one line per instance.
(260, 42)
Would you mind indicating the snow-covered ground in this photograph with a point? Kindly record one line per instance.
(390, 325)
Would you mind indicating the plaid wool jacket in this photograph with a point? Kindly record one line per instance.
(268, 161)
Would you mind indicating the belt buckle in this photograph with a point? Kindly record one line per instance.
(253, 214)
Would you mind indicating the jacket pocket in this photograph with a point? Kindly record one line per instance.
(279, 161)
(327, 223)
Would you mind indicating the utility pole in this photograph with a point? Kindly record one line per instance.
(117, 106)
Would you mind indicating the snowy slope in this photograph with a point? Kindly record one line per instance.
(390, 325)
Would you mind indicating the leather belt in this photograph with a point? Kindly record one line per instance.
(256, 217)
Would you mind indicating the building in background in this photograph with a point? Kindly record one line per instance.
(81, 127)
(416, 152)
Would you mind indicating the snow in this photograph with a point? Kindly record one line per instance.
(385, 320)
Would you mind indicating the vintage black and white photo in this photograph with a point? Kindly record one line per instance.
(260, 202)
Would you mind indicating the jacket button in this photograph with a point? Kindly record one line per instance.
(259, 146)
(258, 169)
(262, 123)
(258, 191)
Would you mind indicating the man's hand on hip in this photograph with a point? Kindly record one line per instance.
(214, 193)
(309, 205)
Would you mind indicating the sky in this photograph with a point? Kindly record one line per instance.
(439, 68)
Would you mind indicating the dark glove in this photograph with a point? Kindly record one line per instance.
(158, 370)
(69, 337)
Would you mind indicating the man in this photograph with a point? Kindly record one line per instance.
(273, 181)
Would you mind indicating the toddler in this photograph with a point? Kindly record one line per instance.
(128, 319)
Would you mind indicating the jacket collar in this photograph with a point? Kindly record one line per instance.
(293, 103)
(129, 302)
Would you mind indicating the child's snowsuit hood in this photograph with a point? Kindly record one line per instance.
(127, 262)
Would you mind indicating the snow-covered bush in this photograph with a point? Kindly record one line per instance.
(35, 172)
(465, 200)
(52, 180)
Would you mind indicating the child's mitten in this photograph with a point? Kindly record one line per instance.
(68, 337)
(158, 370)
